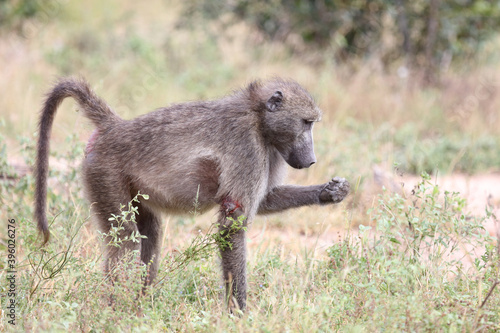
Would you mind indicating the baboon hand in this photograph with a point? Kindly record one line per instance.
(334, 191)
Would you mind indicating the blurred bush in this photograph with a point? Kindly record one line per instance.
(424, 33)
(14, 12)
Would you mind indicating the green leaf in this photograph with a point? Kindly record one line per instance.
(394, 240)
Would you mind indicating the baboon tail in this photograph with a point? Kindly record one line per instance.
(93, 107)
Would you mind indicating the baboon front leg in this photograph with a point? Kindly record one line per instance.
(149, 225)
(291, 196)
(233, 255)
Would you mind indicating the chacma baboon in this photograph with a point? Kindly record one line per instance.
(231, 152)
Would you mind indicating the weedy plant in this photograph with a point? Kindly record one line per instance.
(417, 269)
(117, 226)
(428, 223)
(202, 247)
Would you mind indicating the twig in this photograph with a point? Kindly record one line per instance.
(489, 293)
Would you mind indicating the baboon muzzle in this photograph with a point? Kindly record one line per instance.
(301, 162)
(302, 153)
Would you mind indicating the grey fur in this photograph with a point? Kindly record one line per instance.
(230, 152)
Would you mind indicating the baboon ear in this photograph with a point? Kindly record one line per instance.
(275, 101)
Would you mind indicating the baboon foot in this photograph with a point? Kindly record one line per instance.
(335, 191)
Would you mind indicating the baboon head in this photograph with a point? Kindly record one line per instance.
(288, 119)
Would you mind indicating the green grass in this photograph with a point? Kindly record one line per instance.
(411, 149)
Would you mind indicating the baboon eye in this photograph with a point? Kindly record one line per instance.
(308, 122)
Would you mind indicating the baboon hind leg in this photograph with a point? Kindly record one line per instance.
(108, 194)
(149, 225)
(116, 250)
